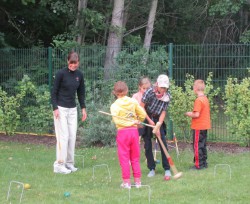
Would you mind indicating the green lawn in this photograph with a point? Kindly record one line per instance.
(33, 164)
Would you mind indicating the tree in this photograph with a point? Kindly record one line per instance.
(82, 4)
(150, 25)
(115, 37)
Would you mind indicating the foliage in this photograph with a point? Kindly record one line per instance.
(38, 116)
(28, 108)
(237, 97)
(133, 40)
(182, 100)
(93, 20)
(9, 118)
(98, 129)
(132, 64)
(224, 7)
(245, 37)
(26, 23)
(3, 44)
(129, 68)
(61, 42)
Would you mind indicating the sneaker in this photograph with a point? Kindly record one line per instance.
(126, 185)
(138, 184)
(71, 167)
(151, 173)
(61, 170)
(167, 175)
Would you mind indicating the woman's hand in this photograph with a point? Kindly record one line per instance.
(56, 113)
(84, 114)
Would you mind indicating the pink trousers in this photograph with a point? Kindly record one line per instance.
(129, 152)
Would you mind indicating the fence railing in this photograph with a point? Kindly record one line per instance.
(41, 64)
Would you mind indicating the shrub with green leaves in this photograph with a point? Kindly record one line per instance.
(29, 108)
(9, 118)
(183, 100)
(98, 129)
(237, 99)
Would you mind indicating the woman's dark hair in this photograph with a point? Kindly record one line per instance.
(73, 57)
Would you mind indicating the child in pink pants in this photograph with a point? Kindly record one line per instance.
(129, 113)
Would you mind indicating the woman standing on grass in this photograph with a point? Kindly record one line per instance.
(68, 82)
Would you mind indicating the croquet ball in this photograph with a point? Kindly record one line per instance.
(66, 194)
(27, 186)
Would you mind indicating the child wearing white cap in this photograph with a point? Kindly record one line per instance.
(155, 101)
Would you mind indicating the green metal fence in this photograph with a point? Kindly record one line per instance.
(224, 60)
(41, 64)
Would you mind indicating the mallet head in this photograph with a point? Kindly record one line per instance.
(178, 175)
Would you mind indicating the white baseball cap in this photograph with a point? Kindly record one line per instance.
(163, 81)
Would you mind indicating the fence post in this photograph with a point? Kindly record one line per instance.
(170, 75)
(50, 67)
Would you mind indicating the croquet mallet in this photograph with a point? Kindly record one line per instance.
(60, 161)
(155, 151)
(155, 128)
(170, 161)
(176, 145)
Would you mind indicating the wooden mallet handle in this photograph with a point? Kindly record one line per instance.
(170, 161)
(155, 128)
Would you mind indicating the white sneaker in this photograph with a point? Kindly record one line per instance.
(61, 169)
(138, 184)
(151, 173)
(71, 167)
(126, 185)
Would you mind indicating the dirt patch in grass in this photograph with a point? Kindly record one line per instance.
(51, 141)
(218, 147)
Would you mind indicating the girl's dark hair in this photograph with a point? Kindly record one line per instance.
(73, 57)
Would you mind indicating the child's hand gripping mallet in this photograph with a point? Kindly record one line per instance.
(170, 161)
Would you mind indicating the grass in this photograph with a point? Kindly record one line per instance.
(33, 164)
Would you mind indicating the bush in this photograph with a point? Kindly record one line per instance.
(98, 128)
(237, 99)
(9, 118)
(27, 110)
(183, 100)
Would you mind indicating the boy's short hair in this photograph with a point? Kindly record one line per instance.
(120, 88)
(163, 81)
(199, 84)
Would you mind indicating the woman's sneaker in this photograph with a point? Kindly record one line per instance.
(71, 167)
(126, 185)
(61, 169)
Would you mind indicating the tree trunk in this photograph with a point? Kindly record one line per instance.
(150, 26)
(82, 4)
(115, 38)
